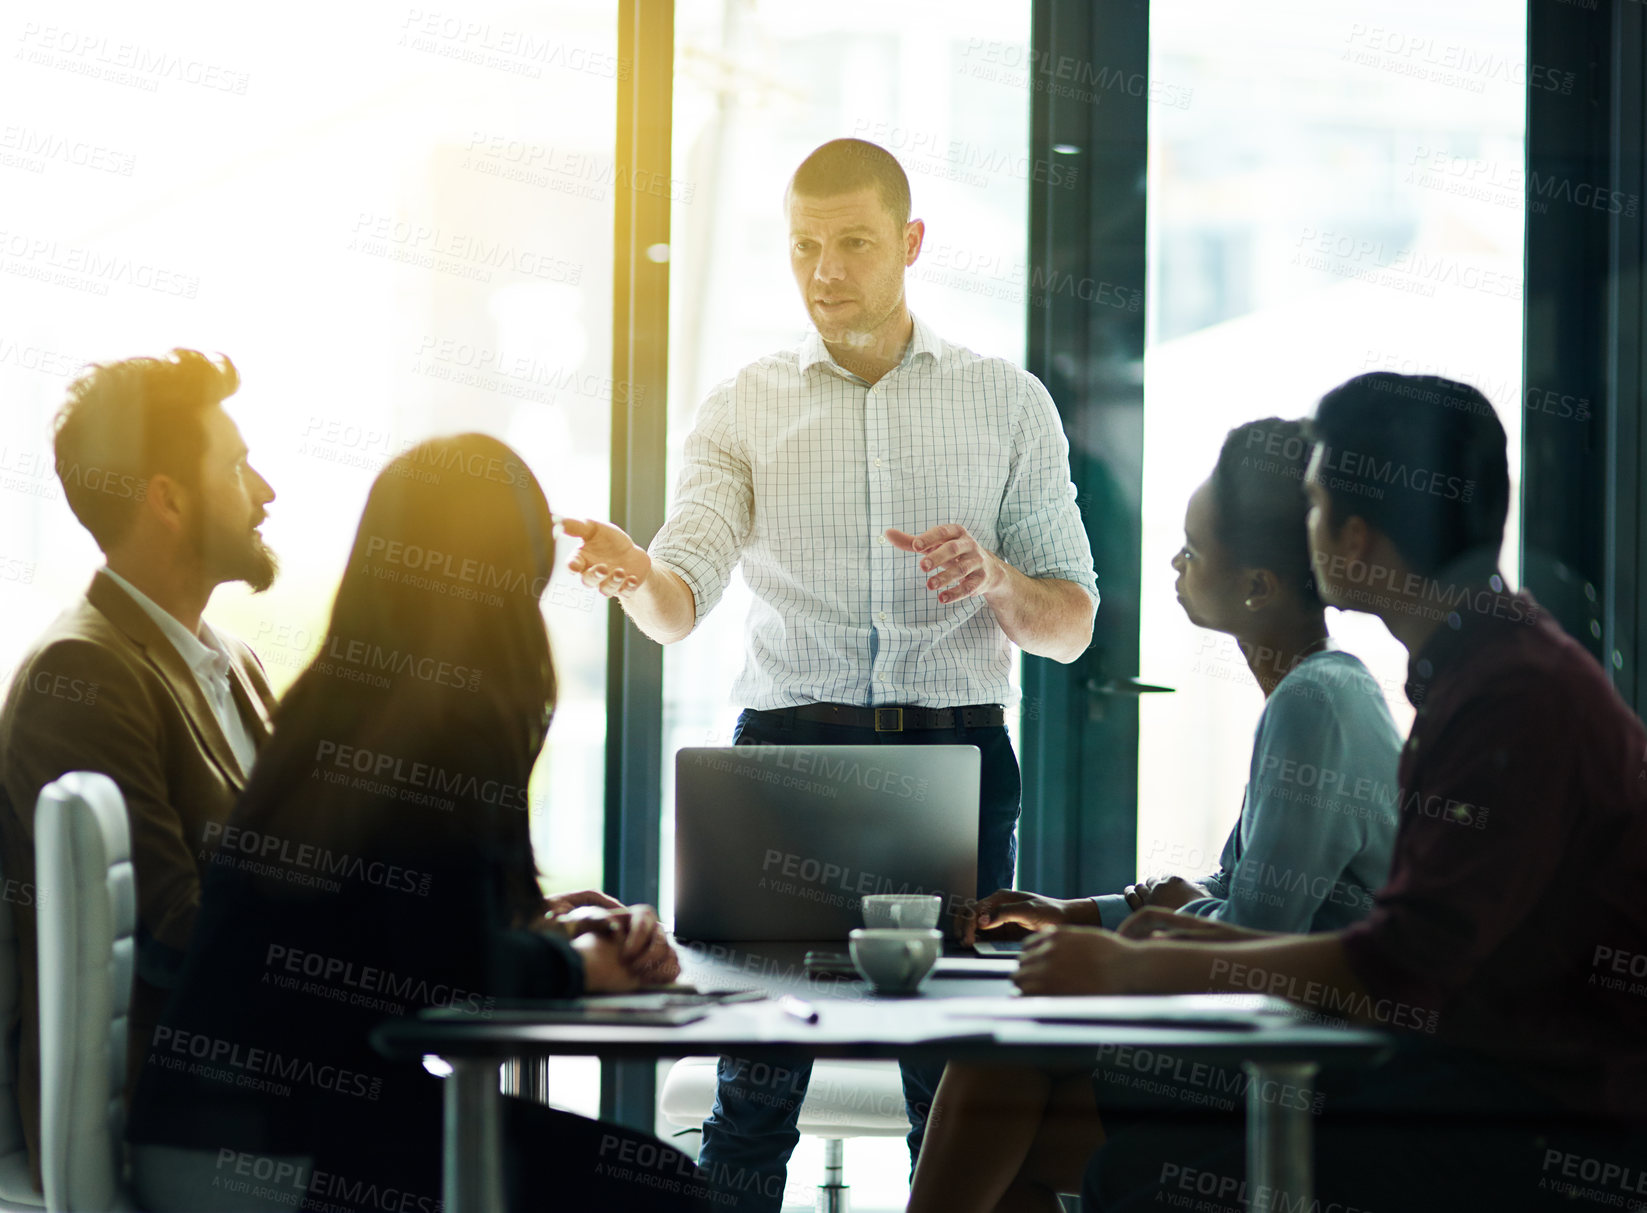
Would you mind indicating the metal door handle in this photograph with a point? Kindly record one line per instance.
(1125, 686)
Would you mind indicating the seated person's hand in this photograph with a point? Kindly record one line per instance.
(648, 950)
(565, 903)
(1168, 892)
(604, 971)
(1074, 960)
(643, 946)
(1011, 907)
(1153, 922)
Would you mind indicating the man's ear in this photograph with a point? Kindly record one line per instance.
(914, 235)
(1355, 539)
(166, 500)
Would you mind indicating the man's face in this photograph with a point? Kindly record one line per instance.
(229, 507)
(848, 254)
(1327, 555)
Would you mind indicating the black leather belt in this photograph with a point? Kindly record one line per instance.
(892, 719)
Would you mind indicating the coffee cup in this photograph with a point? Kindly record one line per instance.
(895, 961)
(902, 911)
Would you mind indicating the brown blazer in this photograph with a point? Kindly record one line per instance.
(104, 690)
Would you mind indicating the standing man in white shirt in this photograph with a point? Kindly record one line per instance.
(903, 513)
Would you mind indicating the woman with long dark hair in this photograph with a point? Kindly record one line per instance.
(379, 862)
(1313, 840)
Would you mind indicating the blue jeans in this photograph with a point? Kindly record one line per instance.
(751, 1132)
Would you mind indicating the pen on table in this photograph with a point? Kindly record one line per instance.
(801, 1010)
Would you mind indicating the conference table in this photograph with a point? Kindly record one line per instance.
(967, 1009)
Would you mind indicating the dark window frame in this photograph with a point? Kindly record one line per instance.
(1583, 542)
(640, 360)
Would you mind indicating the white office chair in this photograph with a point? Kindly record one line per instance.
(844, 1099)
(16, 1186)
(88, 916)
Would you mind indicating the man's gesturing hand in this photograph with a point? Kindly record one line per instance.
(608, 561)
(959, 568)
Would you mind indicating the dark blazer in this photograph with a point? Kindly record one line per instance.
(104, 690)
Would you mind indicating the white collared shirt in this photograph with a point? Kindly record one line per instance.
(208, 659)
(796, 467)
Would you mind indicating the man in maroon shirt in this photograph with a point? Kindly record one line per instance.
(1509, 947)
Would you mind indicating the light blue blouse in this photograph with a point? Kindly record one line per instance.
(1317, 824)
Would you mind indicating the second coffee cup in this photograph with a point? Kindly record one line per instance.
(904, 911)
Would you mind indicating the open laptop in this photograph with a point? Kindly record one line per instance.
(782, 842)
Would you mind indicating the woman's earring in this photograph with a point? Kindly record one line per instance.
(1249, 604)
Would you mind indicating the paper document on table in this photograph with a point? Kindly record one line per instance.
(1134, 1009)
(655, 1009)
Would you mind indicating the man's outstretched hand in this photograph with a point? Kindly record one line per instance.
(608, 560)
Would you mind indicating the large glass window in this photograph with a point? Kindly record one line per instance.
(396, 221)
(1336, 189)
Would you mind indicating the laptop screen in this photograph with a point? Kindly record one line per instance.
(783, 842)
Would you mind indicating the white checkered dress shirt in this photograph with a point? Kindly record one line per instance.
(797, 467)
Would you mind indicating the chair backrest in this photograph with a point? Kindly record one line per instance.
(87, 919)
(16, 1186)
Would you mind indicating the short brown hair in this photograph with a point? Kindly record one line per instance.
(843, 165)
(127, 421)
